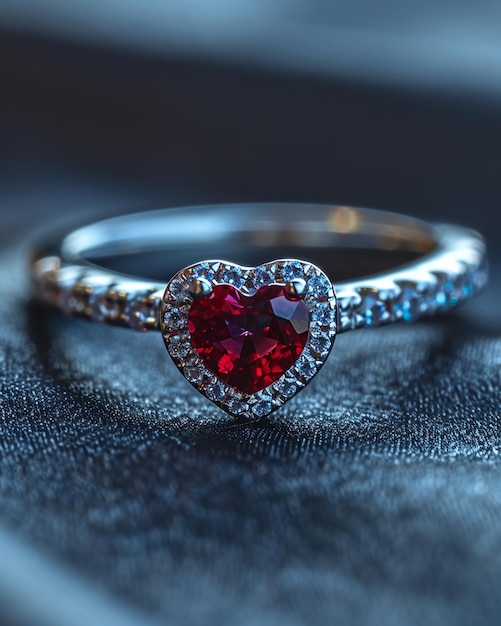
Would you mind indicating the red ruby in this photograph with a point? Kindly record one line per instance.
(248, 341)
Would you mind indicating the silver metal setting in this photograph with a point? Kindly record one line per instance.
(200, 288)
(450, 267)
(295, 288)
(319, 298)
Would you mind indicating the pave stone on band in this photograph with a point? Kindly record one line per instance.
(250, 337)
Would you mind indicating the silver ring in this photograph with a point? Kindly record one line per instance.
(250, 333)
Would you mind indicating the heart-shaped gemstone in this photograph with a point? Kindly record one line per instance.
(248, 341)
(249, 338)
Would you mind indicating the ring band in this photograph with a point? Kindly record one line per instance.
(249, 335)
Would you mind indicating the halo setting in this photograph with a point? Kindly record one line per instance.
(249, 338)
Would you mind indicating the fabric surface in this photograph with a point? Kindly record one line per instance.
(373, 497)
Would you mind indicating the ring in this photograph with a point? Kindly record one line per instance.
(249, 334)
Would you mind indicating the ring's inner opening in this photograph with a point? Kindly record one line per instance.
(346, 243)
(338, 264)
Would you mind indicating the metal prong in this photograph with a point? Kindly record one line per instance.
(295, 289)
(200, 288)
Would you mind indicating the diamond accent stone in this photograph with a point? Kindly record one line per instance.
(323, 314)
(319, 344)
(179, 346)
(262, 276)
(105, 304)
(231, 276)
(374, 310)
(292, 270)
(142, 311)
(179, 289)
(174, 318)
(286, 388)
(237, 406)
(216, 391)
(318, 285)
(409, 304)
(307, 367)
(262, 408)
(194, 373)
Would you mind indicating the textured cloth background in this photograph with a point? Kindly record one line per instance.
(374, 497)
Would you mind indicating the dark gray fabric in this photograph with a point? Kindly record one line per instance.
(372, 498)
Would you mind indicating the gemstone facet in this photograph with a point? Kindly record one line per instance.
(248, 341)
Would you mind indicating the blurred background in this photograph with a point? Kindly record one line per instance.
(110, 106)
